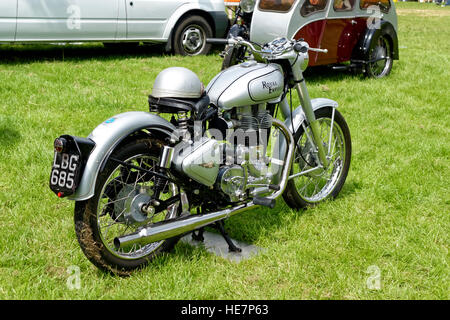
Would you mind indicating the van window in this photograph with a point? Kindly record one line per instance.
(343, 5)
(312, 6)
(384, 5)
(276, 5)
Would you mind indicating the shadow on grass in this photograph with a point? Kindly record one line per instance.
(9, 137)
(260, 222)
(24, 54)
(350, 187)
(320, 73)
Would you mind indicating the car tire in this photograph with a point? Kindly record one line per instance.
(380, 47)
(190, 36)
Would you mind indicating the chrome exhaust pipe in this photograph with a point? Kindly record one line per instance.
(172, 228)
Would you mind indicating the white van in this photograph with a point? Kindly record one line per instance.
(182, 24)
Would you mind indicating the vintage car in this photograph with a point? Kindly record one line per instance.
(358, 34)
(183, 25)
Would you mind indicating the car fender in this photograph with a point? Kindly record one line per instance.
(107, 136)
(207, 8)
(365, 43)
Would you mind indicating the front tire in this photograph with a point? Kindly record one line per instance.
(190, 36)
(233, 55)
(114, 210)
(309, 189)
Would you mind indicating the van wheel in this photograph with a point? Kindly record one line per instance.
(190, 36)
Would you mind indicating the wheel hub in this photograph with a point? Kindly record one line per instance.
(129, 210)
(192, 39)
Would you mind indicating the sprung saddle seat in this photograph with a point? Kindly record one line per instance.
(176, 105)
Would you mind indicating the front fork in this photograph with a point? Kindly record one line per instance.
(305, 102)
(307, 108)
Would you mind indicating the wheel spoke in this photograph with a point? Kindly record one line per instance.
(119, 206)
(315, 186)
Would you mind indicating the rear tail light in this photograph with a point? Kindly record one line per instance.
(60, 145)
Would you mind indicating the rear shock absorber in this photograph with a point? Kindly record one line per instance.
(165, 162)
(183, 125)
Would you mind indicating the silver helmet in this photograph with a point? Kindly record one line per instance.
(177, 82)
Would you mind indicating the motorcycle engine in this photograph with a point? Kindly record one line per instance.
(246, 164)
(234, 162)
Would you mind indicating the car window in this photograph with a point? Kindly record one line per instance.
(384, 5)
(312, 6)
(276, 5)
(343, 5)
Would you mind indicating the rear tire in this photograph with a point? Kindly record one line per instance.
(380, 48)
(111, 211)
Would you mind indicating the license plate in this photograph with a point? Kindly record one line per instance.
(65, 173)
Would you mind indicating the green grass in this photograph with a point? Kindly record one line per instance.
(393, 212)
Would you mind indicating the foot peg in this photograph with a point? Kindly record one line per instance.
(266, 202)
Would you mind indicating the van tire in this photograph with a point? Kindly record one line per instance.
(190, 36)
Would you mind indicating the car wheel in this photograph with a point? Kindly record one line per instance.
(190, 36)
(380, 58)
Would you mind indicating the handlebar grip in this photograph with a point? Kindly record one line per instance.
(216, 41)
(298, 47)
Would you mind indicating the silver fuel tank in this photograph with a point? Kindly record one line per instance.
(246, 84)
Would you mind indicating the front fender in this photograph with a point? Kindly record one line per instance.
(299, 116)
(107, 137)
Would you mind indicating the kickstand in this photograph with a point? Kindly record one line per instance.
(199, 235)
(231, 246)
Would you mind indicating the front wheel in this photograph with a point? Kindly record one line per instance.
(233, 55)
(311, 184)
(116, 209)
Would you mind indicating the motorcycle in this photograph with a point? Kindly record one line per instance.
(140, 182)
(232, 54)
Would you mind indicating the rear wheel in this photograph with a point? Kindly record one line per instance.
(190, 36)
(115, 210)
(380, 58)
(310, 186)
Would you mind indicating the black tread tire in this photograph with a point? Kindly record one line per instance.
(85, 217)
(182, 25)
(231, 56)
(290, 195)
(369, 72)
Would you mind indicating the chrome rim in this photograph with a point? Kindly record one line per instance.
(381, 51)
(120, 201)
(316, 185)
(193, 39)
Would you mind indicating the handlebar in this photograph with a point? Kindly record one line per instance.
(216, 41)
(269, 49)
(303, 47)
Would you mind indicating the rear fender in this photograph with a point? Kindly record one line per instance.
(107, 136)
(366, 43)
